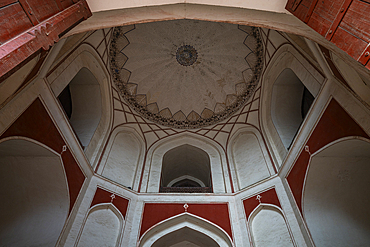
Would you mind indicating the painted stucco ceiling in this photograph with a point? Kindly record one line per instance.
(186, 73)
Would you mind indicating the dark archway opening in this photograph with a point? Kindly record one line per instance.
(290, 103)
(186, 169)
(82, 104)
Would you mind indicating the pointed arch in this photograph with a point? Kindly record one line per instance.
(299, 74)
(86, 58)
(249, 157)
(186, 160)
(335, 195)
(34, 191)
(153, 165)
(103, 226)
(123, 157)
(181, 221)
(268, 227)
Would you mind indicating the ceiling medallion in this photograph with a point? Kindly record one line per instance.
(215, 79)
(186, 55)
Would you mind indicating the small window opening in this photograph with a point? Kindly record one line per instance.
(82, 104)
(290, 103)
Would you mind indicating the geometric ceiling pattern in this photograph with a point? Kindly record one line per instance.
(186, 73)
(151, 132)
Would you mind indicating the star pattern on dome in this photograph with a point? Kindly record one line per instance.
(203, 107)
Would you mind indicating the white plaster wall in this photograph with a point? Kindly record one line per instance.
(123, 159)
(269, 229)
(336, 195)
(38, 88)
(249, 161)
(102, 228)
(34, 202)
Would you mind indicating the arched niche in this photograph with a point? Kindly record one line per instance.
(122, 157)
(34, 195)
(186, 166)
(286, 57)
(81, 101)
(103, 226)
(202, 230)
(268, 227)
(290, 102)
(85, 69)
(336, 197)
(251, 162)
(153, 166)
(185, 237)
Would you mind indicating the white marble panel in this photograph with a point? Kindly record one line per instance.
(123, 159)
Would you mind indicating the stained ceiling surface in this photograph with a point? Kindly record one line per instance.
(186, 73)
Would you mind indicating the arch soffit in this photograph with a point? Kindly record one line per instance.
(185, 220)
(220, 13)
(226, 13)
(318, 152)
(43, 146)
(348, 138)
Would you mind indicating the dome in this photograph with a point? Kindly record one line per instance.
(186, 73)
